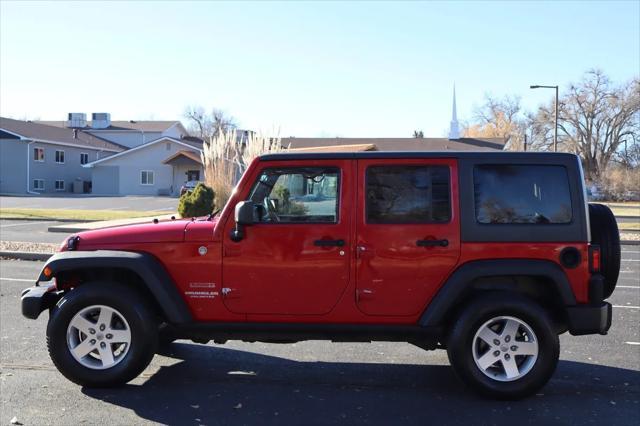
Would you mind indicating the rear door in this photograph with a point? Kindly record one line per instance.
(408, 233)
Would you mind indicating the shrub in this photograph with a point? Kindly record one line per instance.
(198, 202)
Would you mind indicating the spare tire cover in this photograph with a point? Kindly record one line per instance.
(604, 233)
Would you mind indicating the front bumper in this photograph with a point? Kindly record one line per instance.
(589, 319)
(37, 299)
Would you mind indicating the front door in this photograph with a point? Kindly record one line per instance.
(295, 259)
(408, 233)
(193, 175)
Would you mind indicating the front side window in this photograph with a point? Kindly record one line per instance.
(60, 157)
(531, 194)
(292, 195)
(59, 185)
(407, 194)
(146, 177)
(84, 158)
(38, 154)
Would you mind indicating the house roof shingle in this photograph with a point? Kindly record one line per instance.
(136, 125)
(401, 144)
(41, 132)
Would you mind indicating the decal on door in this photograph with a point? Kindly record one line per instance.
(201, 291)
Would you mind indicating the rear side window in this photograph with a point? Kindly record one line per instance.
(408, 194)
(522, 194)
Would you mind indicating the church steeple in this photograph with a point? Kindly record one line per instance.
(454, 130)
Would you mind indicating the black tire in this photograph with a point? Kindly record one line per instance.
(127, 302)
(604, 232)
(479, 312)
(166, 337)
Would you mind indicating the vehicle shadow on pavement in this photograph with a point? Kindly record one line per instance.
(213, 385)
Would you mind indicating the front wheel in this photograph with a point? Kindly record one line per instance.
(504, 346)
(102, 334)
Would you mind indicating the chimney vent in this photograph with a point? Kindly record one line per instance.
(100, 120)
(76, 120)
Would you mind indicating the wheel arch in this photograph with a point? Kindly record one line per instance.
(541, 280)
(141, 270)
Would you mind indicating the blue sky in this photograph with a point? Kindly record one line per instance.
(308, 69)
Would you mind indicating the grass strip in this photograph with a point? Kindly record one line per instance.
(80, 215)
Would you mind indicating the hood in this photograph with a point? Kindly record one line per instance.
(161, 232)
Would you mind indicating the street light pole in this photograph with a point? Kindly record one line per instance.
(555, 132)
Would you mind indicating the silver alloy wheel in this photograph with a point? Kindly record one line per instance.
(505, 348)
(98, 337)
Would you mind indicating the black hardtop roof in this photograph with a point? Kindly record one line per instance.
(543, 157)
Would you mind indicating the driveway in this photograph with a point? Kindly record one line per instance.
(309, 383)
(81, 202)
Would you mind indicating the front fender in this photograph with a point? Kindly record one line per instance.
(153, 274)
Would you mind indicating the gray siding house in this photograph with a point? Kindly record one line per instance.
(36, 158)
(158, 167)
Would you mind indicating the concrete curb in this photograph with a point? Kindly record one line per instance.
(25, 255)
(630, 243)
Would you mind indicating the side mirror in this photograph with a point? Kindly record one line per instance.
(244, 215)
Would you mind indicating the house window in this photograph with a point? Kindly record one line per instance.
(167, 146)
(146, 177)
(38, 184)
(60, 157)
(38, 154)
(84, 158)
(59, 185)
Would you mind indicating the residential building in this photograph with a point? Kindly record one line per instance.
(36, 158)
(159, 167)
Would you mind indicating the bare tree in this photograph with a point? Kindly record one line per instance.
(499, 118)
(207, 125)
(595, 119)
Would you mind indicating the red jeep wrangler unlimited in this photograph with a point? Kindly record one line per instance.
(488, 255)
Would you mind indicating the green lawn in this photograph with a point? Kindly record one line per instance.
(80, 215)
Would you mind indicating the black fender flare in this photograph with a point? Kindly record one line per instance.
(460, 280)
(153, 274)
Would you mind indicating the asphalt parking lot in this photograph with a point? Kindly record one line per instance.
(597, 380)
(30, 231)
(86, 202)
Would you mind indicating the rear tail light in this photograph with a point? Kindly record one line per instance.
(594, 259)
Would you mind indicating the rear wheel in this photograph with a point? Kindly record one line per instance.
(101, 334)
(504, 346)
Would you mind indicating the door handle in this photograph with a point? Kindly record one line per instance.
(432, 243)
(329, 243)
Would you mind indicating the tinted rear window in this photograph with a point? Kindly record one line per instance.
(522, 194)
(408, 194)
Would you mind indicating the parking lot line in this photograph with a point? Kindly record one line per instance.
(633, 343)
(626, 307)
(17, 279)
(627, 286)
